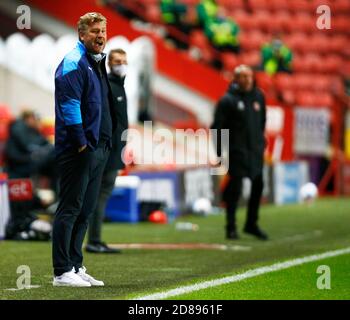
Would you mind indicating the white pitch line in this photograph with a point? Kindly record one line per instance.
(239, 277)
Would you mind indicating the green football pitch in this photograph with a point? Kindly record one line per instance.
(295, 231)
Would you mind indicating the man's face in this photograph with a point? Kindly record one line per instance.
(33, 122)
(245, 80)
(117, 59)
(95, 37)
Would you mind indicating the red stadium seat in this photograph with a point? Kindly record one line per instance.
(332, 64)
(341, 24)
(153, 14)
(150, 2)
(337, 43)
(298, 63)
(336, 85)
(288, 97)
(324, 99)
(229, 61)
(257, 5)
(261, 20)
(278, 5)
(251, 58)
(243, 19)
(199, 40)
(283, 19)
(320, 82)
(300, 6)
(297, 41)
(231, 4)
(303, 22)
(264, 81)
(283, 81)
(305, 98)
(313, 63)
(341, 6)
(302, 81)
(252, 40)
(314, 99)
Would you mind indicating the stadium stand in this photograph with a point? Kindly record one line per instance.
(318, 55)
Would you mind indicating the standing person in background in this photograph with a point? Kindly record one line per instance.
(85, 121)
(117, 61)
(242, 110)
(276, 57)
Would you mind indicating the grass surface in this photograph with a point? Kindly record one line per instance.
(295, 231)
(296, 283)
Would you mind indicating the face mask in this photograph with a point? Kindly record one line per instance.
(97, 57)
(120, 70)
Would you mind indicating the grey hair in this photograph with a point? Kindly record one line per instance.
(242, 67)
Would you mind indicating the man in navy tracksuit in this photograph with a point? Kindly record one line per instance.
(85, 121)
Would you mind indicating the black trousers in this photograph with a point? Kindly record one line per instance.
(231, 197)
(97, 217)
(79, 183)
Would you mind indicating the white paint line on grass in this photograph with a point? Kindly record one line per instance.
(179, 246)
(245, 275)
(26, 287)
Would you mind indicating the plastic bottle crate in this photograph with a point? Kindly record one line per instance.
(122, 206)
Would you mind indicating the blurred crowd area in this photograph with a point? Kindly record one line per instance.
(296, 64)
(300, 63)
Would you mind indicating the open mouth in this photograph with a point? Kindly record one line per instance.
(99, 43)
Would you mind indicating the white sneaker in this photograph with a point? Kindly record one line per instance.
(86, 277)
(70, 279)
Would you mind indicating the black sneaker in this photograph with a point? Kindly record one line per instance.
(232, 235)
(257, 232)
(100, 247)
(109, 249)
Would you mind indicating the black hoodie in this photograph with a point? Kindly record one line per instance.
(244, 114)
(119, 96)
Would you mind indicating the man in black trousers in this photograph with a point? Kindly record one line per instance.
(242, 110)
(117, 61)
(85, 121)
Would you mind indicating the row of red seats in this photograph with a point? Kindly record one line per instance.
(307, 98)
(284, 21)
(308, 61)
(303, 89)
(298, 42)
(308, 81)
(309, 6)
(337, 6)
(312, 63)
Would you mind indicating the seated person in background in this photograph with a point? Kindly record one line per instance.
(223, 34)
(276, 57)
(206, 10)
(174, 13)
(27, 154)
(221, 31)
(24, 222)
(27, 151)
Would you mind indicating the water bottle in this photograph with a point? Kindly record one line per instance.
(186, 226)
